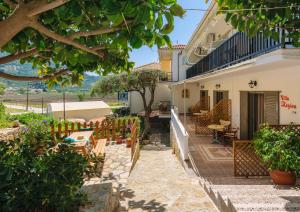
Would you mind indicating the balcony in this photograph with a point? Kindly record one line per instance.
(236, 49)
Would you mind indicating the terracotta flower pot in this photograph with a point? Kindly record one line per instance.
(119, 140)
(128, 142)
(283, 177)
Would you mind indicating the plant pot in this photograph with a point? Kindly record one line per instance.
(283, 177)
(119, 140)
(128, 142)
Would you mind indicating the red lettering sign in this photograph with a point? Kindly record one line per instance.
(284, 98)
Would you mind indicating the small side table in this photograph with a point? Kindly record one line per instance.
(216, 128)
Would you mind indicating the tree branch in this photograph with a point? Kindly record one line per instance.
(51, 34)
(29, 78)
(100, 31)
(44, 5)
(17, 56)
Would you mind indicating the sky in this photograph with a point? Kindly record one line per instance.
(183, 30)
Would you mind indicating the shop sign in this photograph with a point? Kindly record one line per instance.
(285, 102)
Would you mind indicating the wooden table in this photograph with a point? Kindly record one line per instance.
(81, 145)
(216, 128)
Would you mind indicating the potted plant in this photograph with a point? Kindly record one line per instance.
(280, 151)
(128, 140)
(119, 139)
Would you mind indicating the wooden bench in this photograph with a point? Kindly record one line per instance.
(99, 148)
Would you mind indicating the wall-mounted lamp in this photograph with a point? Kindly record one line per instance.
(202, 86)
(252, 83)
(218, 86)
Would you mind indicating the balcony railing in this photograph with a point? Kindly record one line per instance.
(236, 49)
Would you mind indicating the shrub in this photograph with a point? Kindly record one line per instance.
(280, 150)
(4, 122)
(27, 118)
(39, 174)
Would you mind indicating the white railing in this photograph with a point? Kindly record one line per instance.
(180, 134)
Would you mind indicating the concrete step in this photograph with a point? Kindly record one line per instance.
(253, 197)
(256, 190)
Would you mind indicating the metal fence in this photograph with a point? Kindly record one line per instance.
(38, 102)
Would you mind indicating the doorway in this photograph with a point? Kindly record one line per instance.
(255, 112)
(204, 100)
(220, 95)
(257, 108)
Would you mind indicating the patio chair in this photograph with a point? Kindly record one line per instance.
(229, 135)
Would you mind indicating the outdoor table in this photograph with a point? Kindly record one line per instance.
(215, 128)
(81, 145)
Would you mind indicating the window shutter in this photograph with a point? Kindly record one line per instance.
(271, 110)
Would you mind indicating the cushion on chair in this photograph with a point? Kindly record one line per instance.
(224, 123)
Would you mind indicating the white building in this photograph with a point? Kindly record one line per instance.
(256, 74)
(79, 110)
(168, 62)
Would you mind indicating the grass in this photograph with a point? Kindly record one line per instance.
(115, 104)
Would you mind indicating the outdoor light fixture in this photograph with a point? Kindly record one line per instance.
(218, 86)
(202, 86)
(252, 83)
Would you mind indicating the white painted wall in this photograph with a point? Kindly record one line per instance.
(181, 136)
(177, 57)
(162, 93)
(277, 71)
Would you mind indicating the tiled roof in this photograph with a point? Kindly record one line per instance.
(177, 46)
(148, 66)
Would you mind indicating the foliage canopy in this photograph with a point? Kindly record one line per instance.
(64, 38)
(280, 150)
(254, 16)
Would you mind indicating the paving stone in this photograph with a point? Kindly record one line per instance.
(159, 183)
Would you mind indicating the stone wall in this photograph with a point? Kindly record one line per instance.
(9, 134)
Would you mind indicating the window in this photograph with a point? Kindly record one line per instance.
(185, 93)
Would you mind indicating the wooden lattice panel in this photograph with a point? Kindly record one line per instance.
(246, 162)
(203, 104)
(295, 128)
(222, 110)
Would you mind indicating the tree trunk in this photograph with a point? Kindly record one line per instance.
(12, 26)
(147, 126)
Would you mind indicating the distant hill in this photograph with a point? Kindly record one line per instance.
(26, 70)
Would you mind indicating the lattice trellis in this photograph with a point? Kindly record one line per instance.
(203, 104)
(295, 128)
(222, 110)
(246, 162)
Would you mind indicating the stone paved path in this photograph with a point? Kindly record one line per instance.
(159, 183)
(103, 193)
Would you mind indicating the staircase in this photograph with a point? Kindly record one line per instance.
(253, 197)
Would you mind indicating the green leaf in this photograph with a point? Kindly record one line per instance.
(159, 21)
(177, 10)
(116, 19)
(136, 42)
(167, 29)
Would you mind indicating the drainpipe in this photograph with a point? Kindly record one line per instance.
(178, 67)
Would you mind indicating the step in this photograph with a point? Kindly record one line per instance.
(253, 197)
